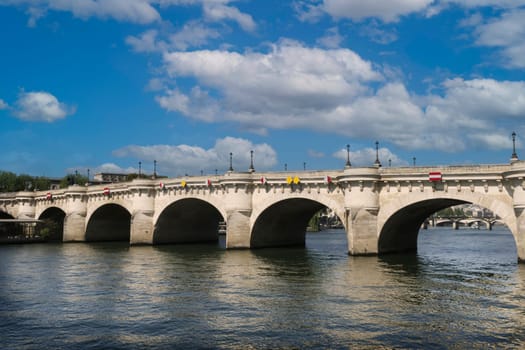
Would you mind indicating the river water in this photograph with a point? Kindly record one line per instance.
(463, 290)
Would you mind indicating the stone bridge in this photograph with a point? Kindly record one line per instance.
(382, 209)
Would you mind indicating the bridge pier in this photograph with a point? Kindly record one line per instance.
(520, 235)
(238, 229)
(75, 220)
(141, 227)
(75, 227)
(362, 231)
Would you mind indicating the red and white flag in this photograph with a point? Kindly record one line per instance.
(161, 185)
(434, 176)
(49, 196)
(106, 191)
(263, 180)
(327, 179)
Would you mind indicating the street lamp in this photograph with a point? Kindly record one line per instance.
(514, 156)
(231, 162)
(140, 170)
(154, 168)
(304, 166)
(252, 169)
(348, 164)
(414, 161)
(377, 163)
(285, 167)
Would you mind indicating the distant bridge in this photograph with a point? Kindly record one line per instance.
(457, 222)
(382, 209)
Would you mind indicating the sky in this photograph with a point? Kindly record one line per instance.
(106, 84)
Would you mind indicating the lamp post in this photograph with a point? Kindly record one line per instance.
(76, 176)
(285, 167)
(514, 156)
(348, 164)
(231, 162)
(414, 161)
(304, 166)
(88, 177)
(377, 163)
(154, 168)
(251, 169)
(140, 170)
(389, 162)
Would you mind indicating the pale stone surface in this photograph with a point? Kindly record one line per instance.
(379, 207)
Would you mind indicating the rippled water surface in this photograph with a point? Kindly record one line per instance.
(463, 290)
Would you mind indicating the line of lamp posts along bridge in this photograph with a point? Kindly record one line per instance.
(377, 163)
(73, 179)
(348, 164)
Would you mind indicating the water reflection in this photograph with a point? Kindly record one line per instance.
(462, 290)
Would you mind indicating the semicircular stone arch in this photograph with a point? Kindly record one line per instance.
(187, 220)
(108, 222)
(399, 220)
(6, 215)
(282, 221)
(53, 218)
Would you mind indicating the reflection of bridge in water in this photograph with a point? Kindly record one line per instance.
(381, 209)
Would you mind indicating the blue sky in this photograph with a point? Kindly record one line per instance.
(103, 85)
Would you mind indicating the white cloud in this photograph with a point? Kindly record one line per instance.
(336, 91)
(3, 104)
(218, 11)
(146, 42)
(192, 34)
(357, 10)
(289, 80)
(185, 159)
(332, 39)
(506, 32)
(136, 11)
(367, 157)
(40, 106)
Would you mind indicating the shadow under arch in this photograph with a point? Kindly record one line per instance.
(400, 231)
(188, 220)
(53, 218)
(110, 222)
(284, 223)
(4, 215)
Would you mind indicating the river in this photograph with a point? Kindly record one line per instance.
(463, 290)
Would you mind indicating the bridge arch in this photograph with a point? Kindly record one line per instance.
(284, 223)
(187, 220)
(399, 221)
(5, 215)
(53, 218)
(109, 222)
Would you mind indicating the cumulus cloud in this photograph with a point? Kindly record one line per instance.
(290, 80)
(192, 34)
(367, 157)
(136, 11)
(507, 33)
(3, 104)
(357, 10)
(336, 91)
(332, 39)
(40, 106)
(218, 11)
(185, 159)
